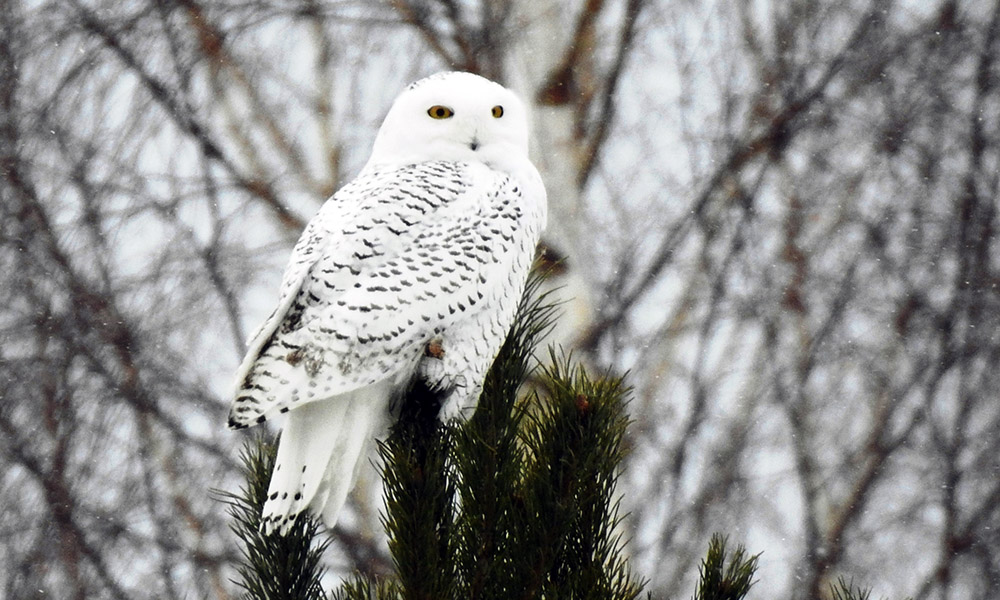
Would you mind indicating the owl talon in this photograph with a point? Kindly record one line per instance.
(295, 357)
(434, 349)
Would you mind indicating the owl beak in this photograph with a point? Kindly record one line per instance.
(474, 144)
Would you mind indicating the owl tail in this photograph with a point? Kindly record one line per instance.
(322, 447)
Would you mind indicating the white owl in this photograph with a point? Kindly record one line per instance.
(428, 248)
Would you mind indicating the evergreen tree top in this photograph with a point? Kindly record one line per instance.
(518, 501)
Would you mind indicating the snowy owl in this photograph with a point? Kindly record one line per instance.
(412, 270)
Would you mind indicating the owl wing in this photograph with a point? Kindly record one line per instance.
(388, 264)
(306, 252)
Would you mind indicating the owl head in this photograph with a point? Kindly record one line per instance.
(453, 116)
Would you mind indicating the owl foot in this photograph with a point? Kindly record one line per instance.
(434, 349)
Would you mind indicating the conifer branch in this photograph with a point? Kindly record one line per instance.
(489, 459)
(273, 567)
(724, 576)
(571, 515)
(419, 497)
(844, 590)
(517, 502)
(361, 588)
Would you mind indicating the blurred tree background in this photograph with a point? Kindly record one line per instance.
(780, 216)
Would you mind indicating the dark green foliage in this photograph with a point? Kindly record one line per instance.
(845, 590)
(419, 497)
(364, 589)
(569, 513)
(725, 577)
(516, 502)
(273, 567)
(489, 461)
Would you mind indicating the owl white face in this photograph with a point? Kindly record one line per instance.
(453, 116)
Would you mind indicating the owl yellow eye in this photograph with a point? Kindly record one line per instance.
(497, 111)
(440, 112)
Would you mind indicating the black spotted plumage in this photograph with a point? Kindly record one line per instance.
(342, 307)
